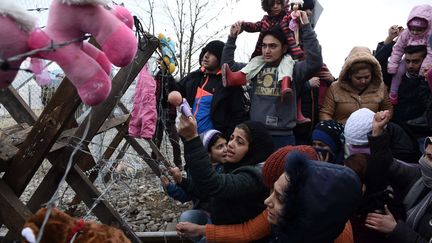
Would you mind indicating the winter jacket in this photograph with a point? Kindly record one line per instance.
(144, 114)
(407, 39)
(402, 177)
(266, 23)
(235, 197)
(342, 99)
(228, 104)
(263, 107)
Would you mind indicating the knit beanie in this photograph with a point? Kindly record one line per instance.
(357, 127)
(274, 165)
(207, 138)
(330, 132)
(214, 47)
(418, 22)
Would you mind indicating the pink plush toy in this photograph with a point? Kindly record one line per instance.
(85, 66)
(16, 25)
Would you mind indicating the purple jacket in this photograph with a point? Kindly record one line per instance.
(407, 39)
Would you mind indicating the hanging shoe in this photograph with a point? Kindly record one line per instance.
(230, 78)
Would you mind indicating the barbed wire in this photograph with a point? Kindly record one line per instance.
(5, 63)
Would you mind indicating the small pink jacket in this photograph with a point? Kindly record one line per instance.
(144, 114)
(406, 38)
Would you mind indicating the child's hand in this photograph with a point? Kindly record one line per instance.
(165, 181)
(236, 29)
(176, 174)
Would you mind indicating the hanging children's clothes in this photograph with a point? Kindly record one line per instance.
(143, 116)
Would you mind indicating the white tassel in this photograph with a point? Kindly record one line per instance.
(28, 234)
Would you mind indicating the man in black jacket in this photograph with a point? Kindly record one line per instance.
(213, 105)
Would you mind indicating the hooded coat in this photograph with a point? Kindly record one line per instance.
(342, 99)
(407, 39)
(238, 194)
(315, 211)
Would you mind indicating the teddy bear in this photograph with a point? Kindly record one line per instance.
(167, 48)
(16, 26)
(62, 228)
(87, 67)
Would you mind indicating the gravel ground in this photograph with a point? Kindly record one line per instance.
(135, 192)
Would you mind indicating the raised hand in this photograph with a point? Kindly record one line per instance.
(381, 119)
(187, 127)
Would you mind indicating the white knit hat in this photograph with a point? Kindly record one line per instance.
(207, 136)
(358, 125)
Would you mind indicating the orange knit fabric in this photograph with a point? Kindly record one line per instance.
(256, 229)
(347, 234)
(251, 230)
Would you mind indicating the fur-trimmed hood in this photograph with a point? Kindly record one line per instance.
(319, 200)
(25, 21)
(360, 54)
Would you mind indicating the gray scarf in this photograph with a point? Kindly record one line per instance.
(415, 212)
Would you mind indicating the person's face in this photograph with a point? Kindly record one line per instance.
(238, 146)
(428, 154)
(320, 145)
(361, 79)
(275, 201)
(276, 8)
(210, 61)
(272, 50)
(417, 30)
(413, 62)
(218, 152)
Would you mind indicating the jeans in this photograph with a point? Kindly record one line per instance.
(196, 216)
(282, 141)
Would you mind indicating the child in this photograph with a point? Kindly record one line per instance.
(418, 31)
(277, 15)
(216, 145)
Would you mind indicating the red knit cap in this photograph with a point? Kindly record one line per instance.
(274, 164)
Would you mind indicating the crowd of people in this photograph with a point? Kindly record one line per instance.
(279, 150)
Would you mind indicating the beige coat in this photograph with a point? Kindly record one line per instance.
(342, 99)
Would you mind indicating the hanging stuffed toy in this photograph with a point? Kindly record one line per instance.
(167, 48)
(16, 25)
(295, 5)
(61, 227)
(86, 66)
(144, 114)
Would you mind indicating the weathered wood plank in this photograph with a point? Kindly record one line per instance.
(42, 136)
(95, 120)
(13, 211)
(16, 106)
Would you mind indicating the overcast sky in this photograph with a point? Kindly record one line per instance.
(342, 25)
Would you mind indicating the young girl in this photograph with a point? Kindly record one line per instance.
(216, 146)
(418, 31)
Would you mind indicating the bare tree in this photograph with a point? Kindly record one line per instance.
(191, 21)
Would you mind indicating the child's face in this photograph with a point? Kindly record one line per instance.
(417, 30)
(218, 152)
(276, 8)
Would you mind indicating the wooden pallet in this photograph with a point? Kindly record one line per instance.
(53, 136)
